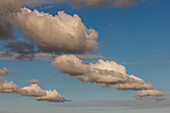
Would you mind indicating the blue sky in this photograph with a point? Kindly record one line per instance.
(136, 36)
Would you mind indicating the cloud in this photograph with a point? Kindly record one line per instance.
(34, 81)
(7, 8)
(66, 33)
(32, 91)
(145, 93)
(108, 73)
(51, 96)
(20, 47)
(6, 31)
(21, 56)
(3, 71)
(8, 87)
(88, 56)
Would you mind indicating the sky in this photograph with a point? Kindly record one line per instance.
(84, 56)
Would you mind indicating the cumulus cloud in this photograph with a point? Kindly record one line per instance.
(8, 87)
(51, 96)
(145, 93)
(108, 73)
(66, 33)
(3, 71)
(32, 91)
(34, 81)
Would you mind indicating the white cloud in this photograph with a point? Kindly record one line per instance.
(109, 73)
(3, 71)
(51, 96)
(34, 91)
(8, 87)
(65, 33)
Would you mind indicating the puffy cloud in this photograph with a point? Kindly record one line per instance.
(51, 96)
(8, 87)
(4, 71)
(109, 73)
(34, 81)
(34, 91)
(65, 33)
(145, 93)
(41, 95)
(70, 64)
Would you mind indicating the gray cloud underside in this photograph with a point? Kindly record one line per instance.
(7, 8)
(42, 56)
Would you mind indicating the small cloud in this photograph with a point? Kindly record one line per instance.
(34, 81)
(3, 71)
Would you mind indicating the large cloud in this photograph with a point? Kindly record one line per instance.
(109, 73)
(59, 33)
